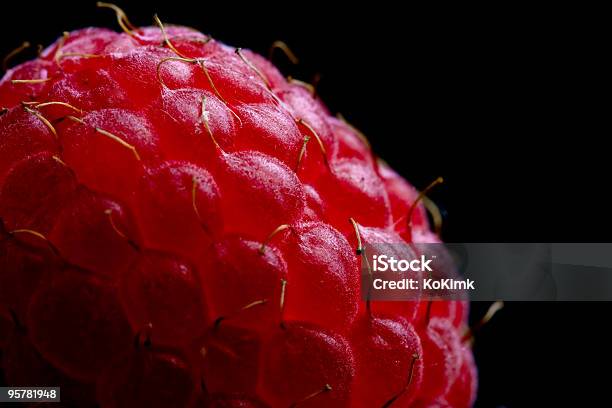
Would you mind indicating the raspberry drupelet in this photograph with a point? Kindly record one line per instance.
(175, 232)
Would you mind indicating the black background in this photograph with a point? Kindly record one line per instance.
(505, 103)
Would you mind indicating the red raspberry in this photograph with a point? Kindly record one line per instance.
(309, 366)
(230, 359)
(175, 232)
(463, 391)
(388, 354)
(244, 275)
(76, 322)
(442, 357)
(162, 295)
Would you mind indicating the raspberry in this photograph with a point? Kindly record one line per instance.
(179, 227)
(390, 243)
(242, 275)
(322, 280)
(455, 311)
(89, 233)
(176, 204)
(23, 268)
(388, 355)
(259, 193)
(36, 205)
(75, 321)
(161, 293)
(230, 361)
(116, 140)
(463, 392)
(23, 135)
(441, 354)
(299, 364)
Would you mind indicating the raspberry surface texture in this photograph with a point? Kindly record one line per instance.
(176, 232)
